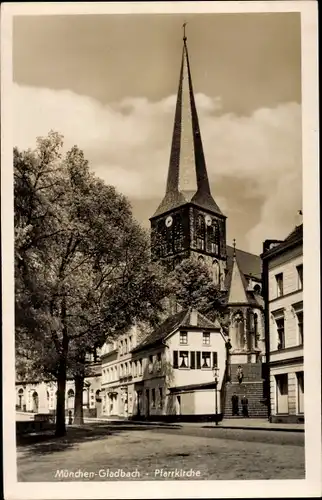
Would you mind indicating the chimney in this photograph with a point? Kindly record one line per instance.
(299, 217)
(193, 317)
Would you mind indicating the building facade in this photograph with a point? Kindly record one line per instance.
(39, 396)
(169, 374)
(283, 278)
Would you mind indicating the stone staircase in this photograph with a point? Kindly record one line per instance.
(252, 387)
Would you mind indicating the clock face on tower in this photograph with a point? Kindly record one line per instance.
(208, 220)
(168, 221)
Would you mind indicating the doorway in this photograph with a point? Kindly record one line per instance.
(147, 402)
(35, 402)
(282, 393)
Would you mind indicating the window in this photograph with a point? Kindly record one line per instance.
(183, 338)
(279, 284)
(169, 240)
(214, 359)
(206, 338)
(192, 360)
(121, 348)
(153, 398)
(125, 346)
(121, 370)
(300, 327)
(159, 360)
(134, 368)
(200, 232)
(150, 368)
(213, 238)
(160, 397)
(198, 359)
(280, 333)
(178, 233)
(183, 361)
(205, 360)
(140, 367)
(299, 270)
(175, 359)
(216, 272)
(130, 342)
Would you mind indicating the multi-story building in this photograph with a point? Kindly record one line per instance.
(39, 396)
(170, 372)
(283, 294)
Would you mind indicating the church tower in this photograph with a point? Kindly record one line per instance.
(188, 222)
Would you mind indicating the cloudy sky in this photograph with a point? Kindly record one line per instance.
(108, 84)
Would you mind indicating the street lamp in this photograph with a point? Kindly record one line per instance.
(216, 377)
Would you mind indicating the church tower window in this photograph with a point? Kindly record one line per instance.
(178, 233)
(200, 232)
(216, 272)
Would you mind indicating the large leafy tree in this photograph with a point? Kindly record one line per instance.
(82, 267)
(193, 286)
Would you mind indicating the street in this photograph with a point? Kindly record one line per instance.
(121, 451)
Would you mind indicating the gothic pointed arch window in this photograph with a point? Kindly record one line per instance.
(169, 240)
(256, 329)
(213, 237)
(216, 272)
(200, 232)
(239, 330)
(178, 233)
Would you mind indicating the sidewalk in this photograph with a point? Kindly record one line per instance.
(241, 423)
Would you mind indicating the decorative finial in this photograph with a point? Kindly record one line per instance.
(184, 31)
(234, 247)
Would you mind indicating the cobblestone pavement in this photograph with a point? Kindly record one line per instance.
(152, 453)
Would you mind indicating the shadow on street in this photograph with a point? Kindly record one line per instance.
(46, 442)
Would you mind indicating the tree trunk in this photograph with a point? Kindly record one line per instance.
(60, 408)
(78, 405)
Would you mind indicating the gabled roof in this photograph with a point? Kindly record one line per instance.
(294, 238)
(187, 318)
(187, 180)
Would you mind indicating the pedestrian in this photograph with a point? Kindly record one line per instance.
(70, 417)
(244, 403)
(240, 374)
(234, 404)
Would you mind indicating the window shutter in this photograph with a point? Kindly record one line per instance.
(192, 360)
(214, 359)
(175, 359)
(198, 359)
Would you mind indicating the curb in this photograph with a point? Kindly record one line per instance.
(239, 427)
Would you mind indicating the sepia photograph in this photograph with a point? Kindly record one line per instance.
(158, 163)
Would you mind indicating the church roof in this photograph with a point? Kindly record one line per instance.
(187, 180)
(187, 318)
(238, 285)
(243, 266)
(249, 263)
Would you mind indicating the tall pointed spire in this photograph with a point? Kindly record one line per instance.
(238, 286)
(187, 175)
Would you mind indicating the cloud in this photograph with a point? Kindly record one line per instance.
(128, 145)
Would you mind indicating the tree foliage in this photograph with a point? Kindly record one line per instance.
(82, 267)
(193, 286)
